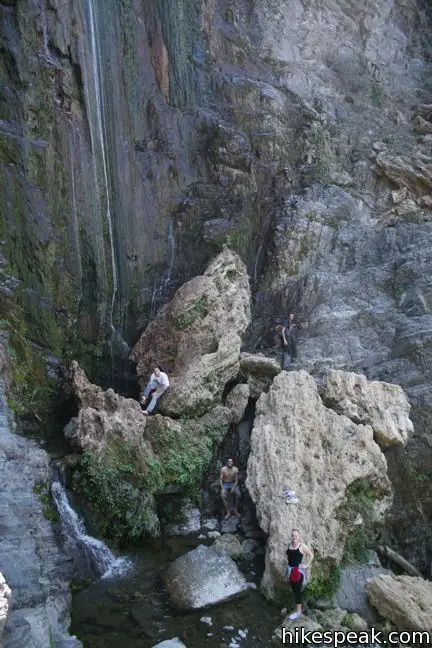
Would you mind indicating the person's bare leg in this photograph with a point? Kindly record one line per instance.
(225, 503)
(236, 513)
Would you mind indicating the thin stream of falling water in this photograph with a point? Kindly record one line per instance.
(157, 291)
(46, 52)
(99, 96)
(75, 225)
(172, 246)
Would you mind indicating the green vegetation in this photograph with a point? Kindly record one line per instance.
(198, 310)
(30, 391)
(355, 551)
(325, 578)
(377, 95)
(117, 484)
(41, 489)
(120, 482)
(360, 501)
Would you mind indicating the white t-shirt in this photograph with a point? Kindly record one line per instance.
(162, 379)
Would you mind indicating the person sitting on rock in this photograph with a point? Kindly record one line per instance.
(229, 486)
(157, 385)
(298, 571)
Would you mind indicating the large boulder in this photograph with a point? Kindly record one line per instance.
(5, 601)
(128, 458)
(237, 401)
(405, 600)
(259, 371)
(298, 442)
(203, 577)
(196, 337)
(101, 414)
(379, 404)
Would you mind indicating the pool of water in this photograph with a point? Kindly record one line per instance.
(130, 610)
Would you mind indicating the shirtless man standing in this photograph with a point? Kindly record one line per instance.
(229, 484)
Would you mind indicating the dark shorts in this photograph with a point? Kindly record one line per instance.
(227, 489)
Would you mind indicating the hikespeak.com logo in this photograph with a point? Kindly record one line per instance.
(338, 638)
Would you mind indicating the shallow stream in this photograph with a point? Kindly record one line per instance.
(130, 610)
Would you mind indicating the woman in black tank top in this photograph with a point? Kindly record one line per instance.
(295, 553)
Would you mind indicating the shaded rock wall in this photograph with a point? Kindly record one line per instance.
(135, 140)
(36, 570)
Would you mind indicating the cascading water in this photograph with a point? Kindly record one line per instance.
(157, 292)
(92, 556)
(95, 97)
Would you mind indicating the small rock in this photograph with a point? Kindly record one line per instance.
(210, 524)
(233, 644)
(213, 534)
(379, 146)
(207, 620)
(251, 586)
(357, 623)
(228, 628)
(242, 634)
(210, 634)
(202, 536)
(284, 612)
(323, 603)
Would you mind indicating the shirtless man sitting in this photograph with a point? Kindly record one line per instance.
(229, 485)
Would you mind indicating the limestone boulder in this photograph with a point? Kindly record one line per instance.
(379, 404)
(405, 600)
(237, 401)
(203, 577)
(5, 601)
(101, 414)
(230, 544)
(298, 442)
(259, 371)
(196, 337)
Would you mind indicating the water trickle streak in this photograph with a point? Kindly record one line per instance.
(100, 106)
(93, 557)
(157, 292)
(75, 224)
(46, 51)
(172, 247)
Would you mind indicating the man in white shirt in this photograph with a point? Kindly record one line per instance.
(158, 384)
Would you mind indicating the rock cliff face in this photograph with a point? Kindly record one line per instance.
(300, 444)
(37, 572)
(135, 140)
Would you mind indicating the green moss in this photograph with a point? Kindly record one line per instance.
(360, 501)
(325, 578)
(120, 482)
(355, 551)
(41, 489)
(117, 483)
(198, 310)
(30, 392)
(377, 95)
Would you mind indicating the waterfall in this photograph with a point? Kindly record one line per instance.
(157, 292)
(92, 556)
(172, 247)
(99, 133)
(46, 52)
